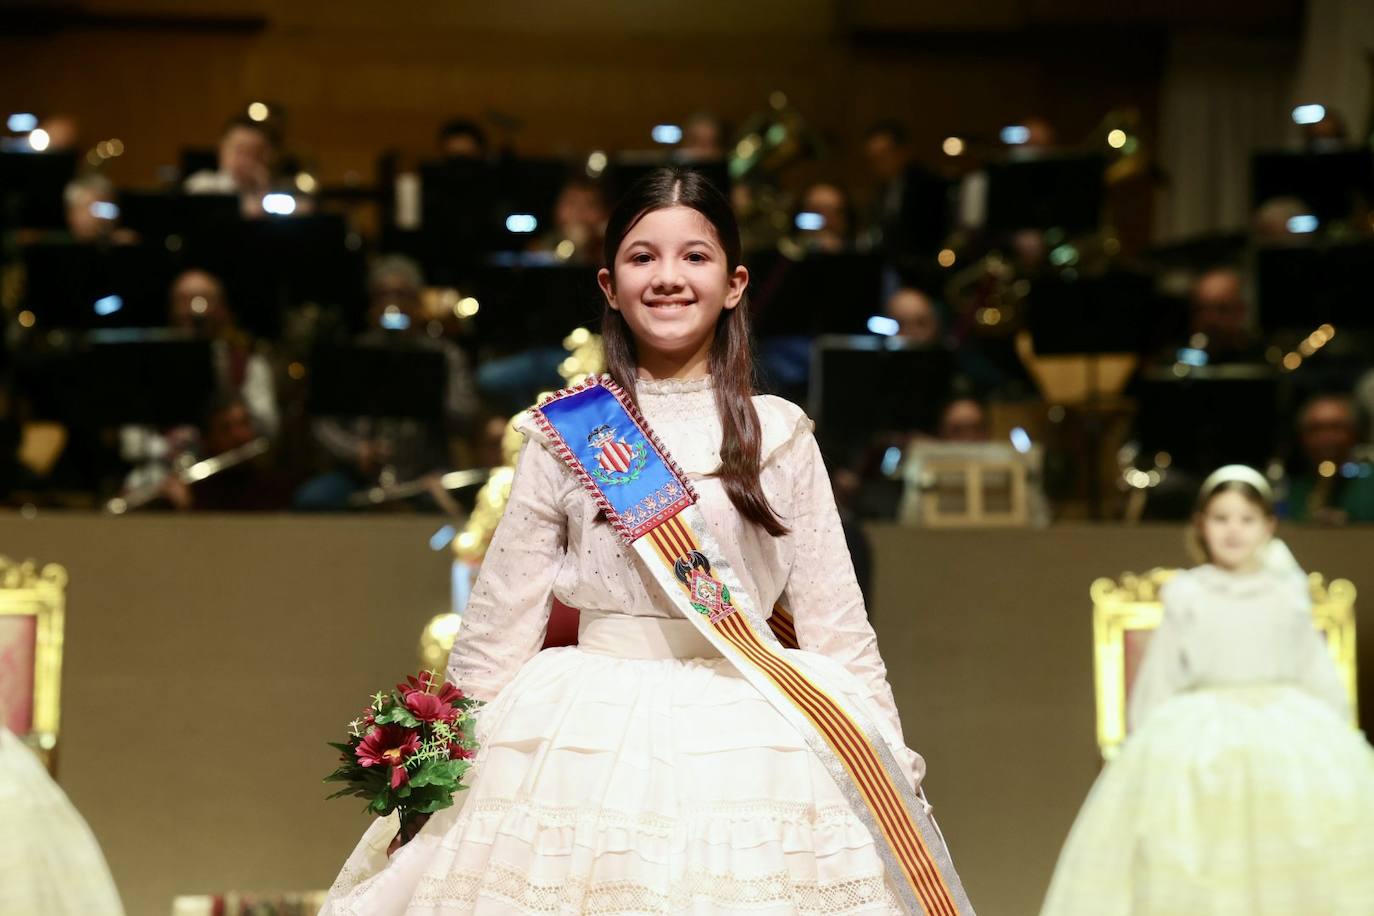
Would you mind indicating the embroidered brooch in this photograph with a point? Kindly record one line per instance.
(707, 594)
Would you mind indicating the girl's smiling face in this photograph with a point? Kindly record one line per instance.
(671, 280)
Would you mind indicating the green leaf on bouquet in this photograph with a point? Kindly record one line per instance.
(438, 772)
(397, 715)
(434, 804)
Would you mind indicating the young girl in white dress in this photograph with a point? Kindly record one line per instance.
(50, 862)
(1243, 788)
(638, 772)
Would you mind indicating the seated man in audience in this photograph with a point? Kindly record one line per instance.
(460, 138)
(1333, 487)
(245, 484)
(197, 305)
(579, 223)
(964, 419)
(247, 157)
(368, 451)
(900, 223)
(1273, 220)
(825, 220)
(918, 321)
(703, 139)
(92, 214)
(1326, 134)
(1220, 319)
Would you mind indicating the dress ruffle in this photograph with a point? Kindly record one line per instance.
(1253, 800)
(611, 785)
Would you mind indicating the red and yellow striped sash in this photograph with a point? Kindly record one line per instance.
(672, 540)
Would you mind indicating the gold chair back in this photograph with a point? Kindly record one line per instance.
(32, 608)
(1127, 610)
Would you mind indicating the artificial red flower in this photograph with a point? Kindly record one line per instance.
(449, 694)
(428, 708)
(389, 745)
(414, 684)
(457, 752)
(427, 682)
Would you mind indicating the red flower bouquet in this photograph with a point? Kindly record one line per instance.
(409, 750)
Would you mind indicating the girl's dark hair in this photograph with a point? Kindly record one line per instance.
(1195, 542)
(731, 360)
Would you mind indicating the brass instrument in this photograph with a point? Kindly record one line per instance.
(449, 482)
(191, 474)
(769, 143)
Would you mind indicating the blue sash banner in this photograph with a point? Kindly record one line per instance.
(637, 484)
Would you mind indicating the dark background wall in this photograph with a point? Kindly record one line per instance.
(353, 79)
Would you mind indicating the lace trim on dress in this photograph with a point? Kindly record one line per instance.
(649, 823)
(670, 386)
(513, 887)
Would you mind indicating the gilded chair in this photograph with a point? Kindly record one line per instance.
(1127, 611)
(32, 605)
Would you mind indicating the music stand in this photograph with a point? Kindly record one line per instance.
(193, 225)
(1213, 416)
(1095, 318)
(31, 189)
(1331, 184)
(90, 286)
(820, 294)
(528, 186)
(860, 384)
(922, 222)
(198, 159)
(458, 221)
(1108, 313)
(1303, 287)
(114, 378)
(285, 261)
(379, 380)
(1048, 192)
(534, 306)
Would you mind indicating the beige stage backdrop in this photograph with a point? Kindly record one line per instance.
(209, 660)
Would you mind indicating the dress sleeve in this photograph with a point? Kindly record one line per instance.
(1317, 672)
(1164, 671)
(505, 619)
(823, 595)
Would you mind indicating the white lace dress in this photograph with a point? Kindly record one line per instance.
(1244, 790)
(50, 862)
(637, 772)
